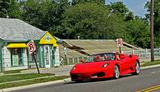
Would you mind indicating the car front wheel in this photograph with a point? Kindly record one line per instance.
(116, 72)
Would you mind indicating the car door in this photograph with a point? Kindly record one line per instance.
(125, 65)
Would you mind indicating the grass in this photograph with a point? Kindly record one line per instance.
(28, 82)
(16, 77)
(150, 63)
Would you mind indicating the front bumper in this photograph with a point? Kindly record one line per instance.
(86, 76)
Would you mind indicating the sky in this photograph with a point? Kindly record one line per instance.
(136, 6)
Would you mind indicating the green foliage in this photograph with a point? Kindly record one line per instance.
(137, 29)
(88, 19)
(34, 11)
(4, 5)
(138, 33)
(10, 8)
(121, 10)
(44, 14)
(156, 20)
(91, 19)
(74, 2)
(14, 10)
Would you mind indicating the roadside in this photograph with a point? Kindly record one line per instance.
(14, 80)
(148, 63)
(48, 76)
(59, 71)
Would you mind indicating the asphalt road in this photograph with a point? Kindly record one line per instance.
(148, 78)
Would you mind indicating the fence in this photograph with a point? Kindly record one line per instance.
(143, 54)
(71, 60)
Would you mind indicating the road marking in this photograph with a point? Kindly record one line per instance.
(150, 89)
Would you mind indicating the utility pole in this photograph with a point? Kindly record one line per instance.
(152, 30)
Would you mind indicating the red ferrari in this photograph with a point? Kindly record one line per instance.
(105, 65)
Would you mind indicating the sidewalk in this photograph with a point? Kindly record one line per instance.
(59, 71)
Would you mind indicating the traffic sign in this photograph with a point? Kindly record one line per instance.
(31, 47)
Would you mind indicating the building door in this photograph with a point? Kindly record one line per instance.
(47, 56)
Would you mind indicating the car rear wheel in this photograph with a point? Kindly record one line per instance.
(137, 69)
(116, 72)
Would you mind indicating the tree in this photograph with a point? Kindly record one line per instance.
(138, 33)
(4, 5)
(137, 29)
(91, 21)
(14, 10)
(44, 14)
(74, 2)
(121, 10)
(156, 20)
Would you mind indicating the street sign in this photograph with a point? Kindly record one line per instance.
(119, 42)
(31, 47)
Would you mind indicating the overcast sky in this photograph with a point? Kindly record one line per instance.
(136, 6)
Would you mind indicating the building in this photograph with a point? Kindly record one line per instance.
(73, 50)
(14, 36)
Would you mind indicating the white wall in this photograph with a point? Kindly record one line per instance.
(57, 61)
(6, 56)
(25, 58)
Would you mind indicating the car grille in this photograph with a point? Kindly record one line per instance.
(75, 76)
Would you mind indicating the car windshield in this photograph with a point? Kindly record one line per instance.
(100, 57)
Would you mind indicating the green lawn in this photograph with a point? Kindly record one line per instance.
(29, 82)
(16, 77)
(150, 63)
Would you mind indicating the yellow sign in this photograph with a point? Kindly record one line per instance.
(48, 39)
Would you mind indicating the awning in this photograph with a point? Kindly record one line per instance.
(16, 45)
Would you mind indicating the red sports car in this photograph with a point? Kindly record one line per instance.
(105, 65)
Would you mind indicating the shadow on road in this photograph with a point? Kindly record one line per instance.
(98, 80)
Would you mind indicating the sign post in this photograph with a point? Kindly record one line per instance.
(32, 48)
(65, 54)
(119, 44)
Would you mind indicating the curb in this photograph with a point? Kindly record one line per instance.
(148, 67)
(55, 82)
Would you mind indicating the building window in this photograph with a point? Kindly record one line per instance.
(17, 57)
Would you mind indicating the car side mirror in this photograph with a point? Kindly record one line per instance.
(81, 60)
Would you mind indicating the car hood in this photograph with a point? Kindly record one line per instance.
(88, 67)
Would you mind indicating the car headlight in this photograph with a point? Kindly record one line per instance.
(105, 65)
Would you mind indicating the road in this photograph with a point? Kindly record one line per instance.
(149, 79)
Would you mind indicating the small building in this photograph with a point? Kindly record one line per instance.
(73, 50)
(14, 36)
